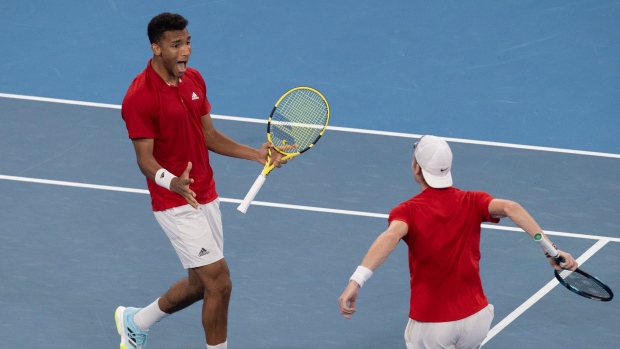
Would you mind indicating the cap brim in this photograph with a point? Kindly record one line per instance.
(438, 182)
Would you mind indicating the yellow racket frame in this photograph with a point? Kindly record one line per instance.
(287, 156)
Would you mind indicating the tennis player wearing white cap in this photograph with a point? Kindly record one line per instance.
(441, 227)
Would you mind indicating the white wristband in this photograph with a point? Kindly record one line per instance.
(163, 178)
(361, 275)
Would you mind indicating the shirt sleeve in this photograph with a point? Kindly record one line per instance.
(401, 213)
(483, 200)
(138, 114)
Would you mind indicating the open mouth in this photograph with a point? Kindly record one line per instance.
(182, 66)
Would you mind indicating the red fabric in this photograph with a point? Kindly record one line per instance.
(172, 117)
(443, 241)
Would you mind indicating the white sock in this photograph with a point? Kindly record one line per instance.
(219, 346)
(149, 315)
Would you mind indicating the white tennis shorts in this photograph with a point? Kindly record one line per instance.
(467, 333)
(195, 234)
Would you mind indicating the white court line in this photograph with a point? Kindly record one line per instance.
(287, 206)
(551, 232)
(73, 184)
(333, 128)
(60, 101)
(541, 293)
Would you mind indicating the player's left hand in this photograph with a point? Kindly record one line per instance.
(276, 156)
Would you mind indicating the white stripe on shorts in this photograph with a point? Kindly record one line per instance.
(195, 234)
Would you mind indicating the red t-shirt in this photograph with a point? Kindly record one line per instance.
(172, 117)
(443, 240)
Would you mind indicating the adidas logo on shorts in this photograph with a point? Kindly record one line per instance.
(203, 252)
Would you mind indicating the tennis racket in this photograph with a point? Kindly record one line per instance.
(296, 123)
(577, 281)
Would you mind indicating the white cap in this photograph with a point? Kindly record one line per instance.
(434, 156)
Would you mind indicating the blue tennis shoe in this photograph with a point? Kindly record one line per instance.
(132, 337)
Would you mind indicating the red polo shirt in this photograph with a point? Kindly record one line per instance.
(172, 117)
(443, 240)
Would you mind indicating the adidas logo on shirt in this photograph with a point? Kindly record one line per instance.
(194, 96)
(203, 252)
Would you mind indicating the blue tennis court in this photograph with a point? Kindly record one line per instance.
(525, 92)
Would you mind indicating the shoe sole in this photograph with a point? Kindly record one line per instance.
(120, 325)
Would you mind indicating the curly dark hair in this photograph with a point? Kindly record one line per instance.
(164, 22)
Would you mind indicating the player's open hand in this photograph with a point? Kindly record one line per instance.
(180, 185)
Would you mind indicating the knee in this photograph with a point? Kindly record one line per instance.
(223, 286)
(215, 280)
(222, 282)
(228, 290)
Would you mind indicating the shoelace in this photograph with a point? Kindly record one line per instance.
(138, 338)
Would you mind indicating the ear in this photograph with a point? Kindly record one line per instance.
(418, 169)
(156, 49)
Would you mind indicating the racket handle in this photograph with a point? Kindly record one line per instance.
(548, 248)
(258, 183)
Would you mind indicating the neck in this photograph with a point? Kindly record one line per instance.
(159, 68)
(423, 186)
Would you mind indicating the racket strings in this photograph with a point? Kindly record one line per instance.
(585, 284)
(298, 120)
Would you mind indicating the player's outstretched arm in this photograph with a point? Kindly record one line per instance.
(499, 208)
(378, 252)
(221, 144)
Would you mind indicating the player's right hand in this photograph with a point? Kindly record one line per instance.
(347, 299)
(569, 263)
(180, 185)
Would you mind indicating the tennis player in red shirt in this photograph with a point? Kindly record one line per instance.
(168, 119)
(441, 227)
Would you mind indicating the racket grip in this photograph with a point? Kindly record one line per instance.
(258, 183)
(548, 248)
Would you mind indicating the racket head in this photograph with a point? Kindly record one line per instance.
(584, 284)
(298, 120)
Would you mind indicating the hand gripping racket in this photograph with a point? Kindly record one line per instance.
(296, 123)
(577, 281)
